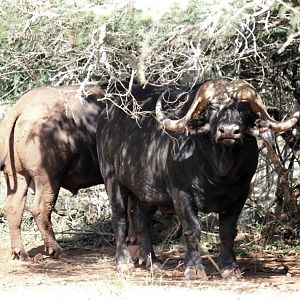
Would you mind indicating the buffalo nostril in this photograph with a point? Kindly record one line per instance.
(236, 131)
(229, 129)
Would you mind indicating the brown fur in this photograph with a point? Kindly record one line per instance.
(48, 141)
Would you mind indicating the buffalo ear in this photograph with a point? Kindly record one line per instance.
(262, 130)
(184, 148)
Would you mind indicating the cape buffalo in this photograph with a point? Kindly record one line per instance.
(203, 161)
(48, 141)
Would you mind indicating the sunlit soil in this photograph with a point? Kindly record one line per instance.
(89, 273)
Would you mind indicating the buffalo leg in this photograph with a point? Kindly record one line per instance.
(118, 196)
(17, 187)
(142, 222)
(131, 234)
(191, 230)
(43, 203)
(227, 232)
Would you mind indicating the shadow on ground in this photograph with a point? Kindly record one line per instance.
(90, 264)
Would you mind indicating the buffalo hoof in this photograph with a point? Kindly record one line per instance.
(21, 255)
(233, 273)
(125, 268)
(193, 273)
(54, 252)
(154, 265)
(38, 257)
(124, 261)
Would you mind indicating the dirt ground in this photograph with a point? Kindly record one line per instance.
(89, 273)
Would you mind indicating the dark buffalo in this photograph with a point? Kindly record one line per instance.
(48, 141)
(203, 161)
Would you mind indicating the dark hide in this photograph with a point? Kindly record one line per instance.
(207, 170)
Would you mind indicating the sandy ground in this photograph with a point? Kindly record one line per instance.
(89, 273)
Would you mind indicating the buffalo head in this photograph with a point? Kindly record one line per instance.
(228, 110)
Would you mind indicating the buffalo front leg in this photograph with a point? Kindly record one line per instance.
(17, 187)
(43, 203)
(227, 232)
(194, 268)
(118, 197)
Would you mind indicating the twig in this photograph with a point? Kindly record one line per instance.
(291, 37)
(86, 233)
(213, 263)
(209, 233)
(252, 242)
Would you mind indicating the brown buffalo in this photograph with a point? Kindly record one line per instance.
(48, 141)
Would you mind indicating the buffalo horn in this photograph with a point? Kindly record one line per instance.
(242, 90)
(207, 91)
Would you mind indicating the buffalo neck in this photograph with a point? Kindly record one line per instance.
(221, 159)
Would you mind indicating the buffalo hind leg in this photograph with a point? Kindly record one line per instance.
(43, 203)
(118, 196)
(17, 187)
(142, 223)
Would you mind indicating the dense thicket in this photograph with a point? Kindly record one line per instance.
(58, 42)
